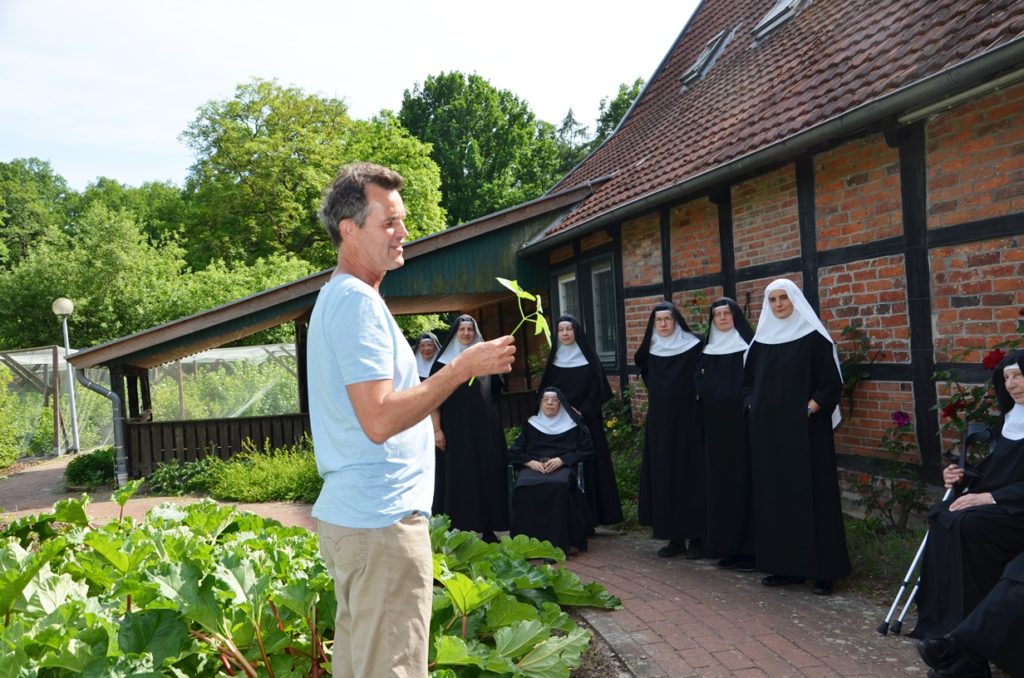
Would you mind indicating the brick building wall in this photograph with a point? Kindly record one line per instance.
(764, 218)
(870, 295)
(976, 160)
(693, 238)
(641, 251)
(974, 212)
(857, 193)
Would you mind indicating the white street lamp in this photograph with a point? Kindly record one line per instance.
(62, 308)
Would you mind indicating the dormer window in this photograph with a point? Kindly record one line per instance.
(780, 13)
(706, 59)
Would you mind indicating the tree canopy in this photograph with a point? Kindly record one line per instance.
(33, 201)
(263, 159)
(120, 281)
(492, 150)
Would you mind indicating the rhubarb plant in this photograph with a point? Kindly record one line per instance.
(205, 590)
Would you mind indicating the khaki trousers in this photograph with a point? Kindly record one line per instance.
(383, 579)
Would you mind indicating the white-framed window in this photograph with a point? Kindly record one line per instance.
(602, 285)
(568, 296)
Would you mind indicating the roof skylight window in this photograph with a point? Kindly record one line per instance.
(706, 59)
(780, 13)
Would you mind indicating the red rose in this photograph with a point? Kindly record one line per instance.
(992, 359)
(951, 408)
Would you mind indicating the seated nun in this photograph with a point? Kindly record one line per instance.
(546, 501)
(974, 535)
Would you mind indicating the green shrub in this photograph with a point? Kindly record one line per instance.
(254, 475)
(626, 444)
(879, 557)
(91, 470)
(9, 451)
(174, 478)
(42, 438)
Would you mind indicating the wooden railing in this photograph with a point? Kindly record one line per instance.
(154, 442)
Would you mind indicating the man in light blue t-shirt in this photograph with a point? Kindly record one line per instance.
(372, 433)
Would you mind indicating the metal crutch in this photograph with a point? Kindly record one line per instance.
(975, 431)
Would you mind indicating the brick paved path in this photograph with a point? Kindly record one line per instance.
(679, 618)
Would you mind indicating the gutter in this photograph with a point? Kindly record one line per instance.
(120, 456)
(925, 92)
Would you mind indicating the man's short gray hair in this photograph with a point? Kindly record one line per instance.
(346, 196)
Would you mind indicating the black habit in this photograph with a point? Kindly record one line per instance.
(475, 488)
(730, 505)
(672, 492)
(968, 549)
(586, 388)
(995, 628)
(798, 520)
(435, 507)
(549, 506)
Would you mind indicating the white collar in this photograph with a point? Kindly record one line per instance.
(560, 423)
(423, 365)
(723, 343)
(666, 347)
(801, 322)
(455, 347)
(569, 355)
(1013, 423)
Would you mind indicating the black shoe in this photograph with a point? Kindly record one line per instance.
(966, 665)
(781, 580)
(729, 562)
(672, 549)
(822, 587)
(746, 566)
(695, 551)
(490, 537)
(938, 653)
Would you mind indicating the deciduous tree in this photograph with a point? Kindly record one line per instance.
(492, 151)
(263, 159)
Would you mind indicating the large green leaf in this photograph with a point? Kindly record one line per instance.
(20, 566)
(187, 584)
(122, 494)
(570, 591)
(12, 663)
(505, 610)
(529, 548)
(555, 656)
(453, 651)
(468, 594)
(111, 548)
(518, 639)
(72, 511)
(161, 633)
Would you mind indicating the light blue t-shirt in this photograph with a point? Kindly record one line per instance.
(353, 338)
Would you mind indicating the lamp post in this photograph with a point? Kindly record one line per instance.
(62, 308)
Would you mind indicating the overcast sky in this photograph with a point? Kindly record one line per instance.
(105, 87)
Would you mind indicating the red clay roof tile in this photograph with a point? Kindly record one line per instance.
(833, 56)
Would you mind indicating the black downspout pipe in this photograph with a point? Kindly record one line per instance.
(120, 456)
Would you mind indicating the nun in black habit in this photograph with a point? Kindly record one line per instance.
(575, 369)
(475, 488)
(730, 500)
(427, 349)
(973, 536)
(793, 383)
(546, 501)
(672, 492)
